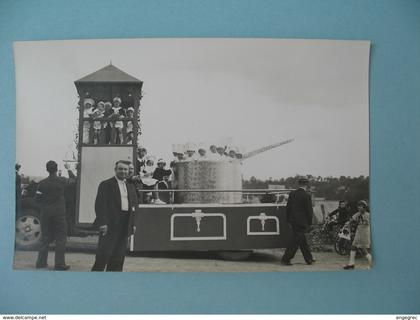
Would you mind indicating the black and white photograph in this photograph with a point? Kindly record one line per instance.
(192, 155)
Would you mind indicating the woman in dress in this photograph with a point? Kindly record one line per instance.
(362, 236)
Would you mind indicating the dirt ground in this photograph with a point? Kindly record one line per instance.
(80, 257)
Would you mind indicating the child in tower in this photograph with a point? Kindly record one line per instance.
(88, 104)
(98, 113)
(130, 126)
(117, 130)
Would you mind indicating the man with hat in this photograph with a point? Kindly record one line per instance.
(50, 196)
(299, 214)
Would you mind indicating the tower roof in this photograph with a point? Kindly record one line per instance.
(109, 73)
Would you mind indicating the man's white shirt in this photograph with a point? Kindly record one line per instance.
(124, 194)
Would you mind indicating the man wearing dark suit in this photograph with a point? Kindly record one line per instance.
(115, 206)
(299, 215)
(50, 197)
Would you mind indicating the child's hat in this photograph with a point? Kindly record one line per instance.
(88, 101)
(117, 99)
(130, 109)
(150, 158)
(362, 203)
(190, 146)
(202, 146)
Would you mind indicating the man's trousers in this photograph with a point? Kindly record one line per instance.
(112, 246)
(297, 240)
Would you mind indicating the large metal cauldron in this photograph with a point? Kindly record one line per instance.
(208, 175)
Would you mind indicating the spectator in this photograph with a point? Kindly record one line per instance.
(361, 239)
(342, 213)
(146, 176)
(88, 104)
(115, 207)
(50, 196)
(118, 113)
(18, 189)
(97, 125)
(202, 152)
(299, 214)
(130, 126)
(191, 153)
(162, 176)
(221, 152)
(141, 159)
(213, 153)
(108, 125)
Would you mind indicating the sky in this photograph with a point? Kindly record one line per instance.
(253, 91)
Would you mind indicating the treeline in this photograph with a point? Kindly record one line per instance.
(351, 189)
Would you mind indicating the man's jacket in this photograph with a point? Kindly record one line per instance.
(299, 210)
(108, 203)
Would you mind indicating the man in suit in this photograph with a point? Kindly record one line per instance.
(50, 197)
(299, 215)
(115, 206)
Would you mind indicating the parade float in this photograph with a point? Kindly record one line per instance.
(207, 208)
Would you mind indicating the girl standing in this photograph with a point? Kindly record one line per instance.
(362, 236)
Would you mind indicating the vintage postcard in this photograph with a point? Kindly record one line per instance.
(215, 155)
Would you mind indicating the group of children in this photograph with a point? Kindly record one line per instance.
(153, 177)
(216, 152)
(111, 131)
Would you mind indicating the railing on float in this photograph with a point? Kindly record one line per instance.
(247, 193)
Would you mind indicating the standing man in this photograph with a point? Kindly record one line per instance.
(299, 215)
(50, 196)
(115, 206)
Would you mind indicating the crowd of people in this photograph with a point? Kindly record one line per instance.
(299, 215)
(115, 222)
(154, 175)
(214, 152)
(107, 123)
